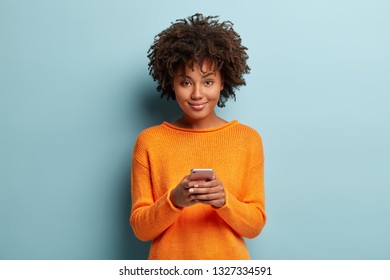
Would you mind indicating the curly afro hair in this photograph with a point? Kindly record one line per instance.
(197, 39)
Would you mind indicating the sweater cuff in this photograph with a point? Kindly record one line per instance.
(173, 207)
(227, 205)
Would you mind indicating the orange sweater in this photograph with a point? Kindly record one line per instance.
(162, 156)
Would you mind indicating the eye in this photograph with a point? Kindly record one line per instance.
(209, 83)
(185, 83)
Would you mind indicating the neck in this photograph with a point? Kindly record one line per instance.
(210, 122)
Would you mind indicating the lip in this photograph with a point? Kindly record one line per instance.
(197, 106)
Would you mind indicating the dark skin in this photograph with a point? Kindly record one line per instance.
(188, 193)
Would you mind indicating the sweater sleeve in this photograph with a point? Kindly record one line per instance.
(149, 218)
(247, 215)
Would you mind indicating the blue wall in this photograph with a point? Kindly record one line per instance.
(75, 92)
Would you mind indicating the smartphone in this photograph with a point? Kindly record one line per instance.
(205, 174)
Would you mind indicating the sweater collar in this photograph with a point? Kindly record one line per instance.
(211, 129)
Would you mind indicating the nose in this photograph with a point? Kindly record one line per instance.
(196, 93)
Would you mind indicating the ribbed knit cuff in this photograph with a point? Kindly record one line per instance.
(244, 219)
(174, 208)
(226, 206)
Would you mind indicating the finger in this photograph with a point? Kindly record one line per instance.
(216, 203)
(208, 197)
(209, 190)
(196, 184)
(212, 183)
(187, 184)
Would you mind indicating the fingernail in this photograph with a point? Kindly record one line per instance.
(196, 185)
(191, 190)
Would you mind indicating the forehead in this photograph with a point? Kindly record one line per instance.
(206, 66)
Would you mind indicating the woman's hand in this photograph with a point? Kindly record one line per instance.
(180, 196)
(188, 193)
(209, 192)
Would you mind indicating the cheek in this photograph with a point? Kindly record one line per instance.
(180, 97)
(216, 95)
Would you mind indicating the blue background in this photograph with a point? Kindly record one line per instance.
(75, 92)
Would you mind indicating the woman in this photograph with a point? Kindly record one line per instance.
(198, 62)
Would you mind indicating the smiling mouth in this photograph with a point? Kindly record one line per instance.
(198, 107)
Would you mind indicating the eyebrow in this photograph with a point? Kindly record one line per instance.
(209, 74)
(204, 76)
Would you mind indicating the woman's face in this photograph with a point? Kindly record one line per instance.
(197, 92)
